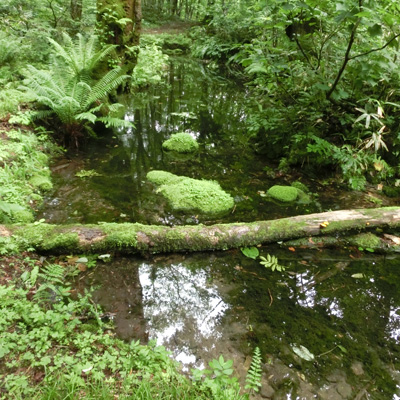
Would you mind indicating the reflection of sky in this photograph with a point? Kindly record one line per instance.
(181, 306)
(394, 323)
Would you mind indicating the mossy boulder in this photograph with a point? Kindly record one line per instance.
(285, 194)
(366, 240)
(162, 178)
(41, 182)
(181, 143)
(192, 195)
(300, 186)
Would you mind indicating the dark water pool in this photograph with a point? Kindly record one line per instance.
(345, 311)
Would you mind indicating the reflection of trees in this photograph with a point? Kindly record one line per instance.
(120, 293)
(182, 308)
(321, 308)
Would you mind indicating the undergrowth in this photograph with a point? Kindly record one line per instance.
(56, 345)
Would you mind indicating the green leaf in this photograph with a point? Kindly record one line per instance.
(358, 275)
(45, 360)
(342, 349)
(250, 252)
(303, 352)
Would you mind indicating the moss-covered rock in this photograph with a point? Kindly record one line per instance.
(192, 195)
(41, 182)
(283, 193)
(181, 143)
(162, 177)
(300, 186)
(366, 240)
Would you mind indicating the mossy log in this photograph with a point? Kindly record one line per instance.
(136, 238)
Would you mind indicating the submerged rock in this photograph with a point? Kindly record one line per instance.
(191, 195)
(181, 143)
(297, 191)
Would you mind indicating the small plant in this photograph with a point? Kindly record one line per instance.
(87, 173)
(271, 262)
(253, 377)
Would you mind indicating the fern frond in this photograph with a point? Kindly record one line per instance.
(86, 116)
(253, 377)
(111, 122)
(105, 85)
(53, 273)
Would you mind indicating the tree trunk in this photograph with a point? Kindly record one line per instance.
(112, 15)
(76, 10)
(137, 238)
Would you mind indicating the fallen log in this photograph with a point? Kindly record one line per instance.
(130, 238)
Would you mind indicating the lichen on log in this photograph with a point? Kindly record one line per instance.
(130, 238)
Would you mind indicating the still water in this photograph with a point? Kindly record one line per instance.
(343, 307)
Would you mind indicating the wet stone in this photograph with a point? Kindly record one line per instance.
(266, 391)
(329, 393)
(357, 368)
(344, 389)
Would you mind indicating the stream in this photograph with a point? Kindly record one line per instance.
(328, 327)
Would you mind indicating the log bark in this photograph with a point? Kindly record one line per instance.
(130, 238)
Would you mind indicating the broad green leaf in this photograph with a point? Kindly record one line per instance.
(251, 252)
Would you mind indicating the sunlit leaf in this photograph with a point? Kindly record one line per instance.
(303, 352)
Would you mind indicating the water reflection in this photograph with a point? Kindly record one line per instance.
(182, 308)
(203, 305)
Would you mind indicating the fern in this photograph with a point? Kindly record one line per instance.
(271, 262)
(82, 56)
(253, 377)
(68, 89)
(53, 287)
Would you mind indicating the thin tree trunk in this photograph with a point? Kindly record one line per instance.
(137, 238)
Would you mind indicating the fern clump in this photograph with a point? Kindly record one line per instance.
(69, 91)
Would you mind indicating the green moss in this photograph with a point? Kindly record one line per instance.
(41, 182)
(301, 186)
(162, 177)
(119, 235)
(283, 193)
(191, 195)
(22, 216)
(194, 195)
(61, 241)
(181, 143)
(366, 240)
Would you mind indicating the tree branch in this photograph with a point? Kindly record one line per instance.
(377, 49)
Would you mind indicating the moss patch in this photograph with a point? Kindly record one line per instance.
(283, 193)
(366, 240)
(41, 182)
(181, 143)
(301, 186)
(192, 195)
(162, 178)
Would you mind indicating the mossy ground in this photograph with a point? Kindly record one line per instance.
(24, 174)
